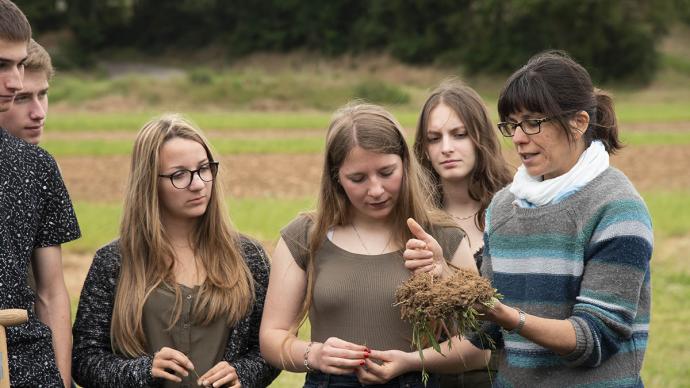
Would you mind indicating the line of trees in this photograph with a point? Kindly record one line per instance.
(616, 39)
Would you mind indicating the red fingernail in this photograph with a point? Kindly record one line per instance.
(361, 363)
(368, 350)
(366, 355)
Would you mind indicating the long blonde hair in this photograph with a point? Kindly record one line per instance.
(148, 256)
(374, 129)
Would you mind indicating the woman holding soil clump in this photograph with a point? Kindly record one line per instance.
(458, 148)
(341, 264)
(568, 243)
(177, 299)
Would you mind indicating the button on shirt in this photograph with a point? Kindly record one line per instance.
(203, 345)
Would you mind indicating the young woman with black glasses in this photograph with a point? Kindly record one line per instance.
(178, 297)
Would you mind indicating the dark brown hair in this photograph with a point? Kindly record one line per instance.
(554, 84)
(490, 172)
(13, 24)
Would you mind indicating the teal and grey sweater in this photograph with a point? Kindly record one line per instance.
(585, 259)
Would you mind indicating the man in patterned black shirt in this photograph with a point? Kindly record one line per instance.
(36, 217)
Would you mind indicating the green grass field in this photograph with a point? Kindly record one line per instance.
(291, 145)
(228, 121)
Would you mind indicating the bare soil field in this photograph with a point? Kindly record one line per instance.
(101, 179)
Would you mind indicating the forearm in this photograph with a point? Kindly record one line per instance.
(53, 309)
(461, 357)
(557, 335)
(284, 350)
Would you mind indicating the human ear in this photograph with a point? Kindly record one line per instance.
(579, 123)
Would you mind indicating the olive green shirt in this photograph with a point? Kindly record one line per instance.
(354, 294)
(203, 345)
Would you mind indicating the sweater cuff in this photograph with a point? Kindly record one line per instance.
(493, 331)
(583, 343)
(145, 366)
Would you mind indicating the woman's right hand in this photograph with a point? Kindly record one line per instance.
(423, 253)
(385, 366)
(166, 360)
(337, 357)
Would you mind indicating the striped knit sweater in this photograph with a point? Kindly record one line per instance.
(585, 259)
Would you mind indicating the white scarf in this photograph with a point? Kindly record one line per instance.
(533, 192)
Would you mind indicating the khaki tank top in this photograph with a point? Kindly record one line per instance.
(354, 294)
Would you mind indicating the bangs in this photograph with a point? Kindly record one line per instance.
(526, 90)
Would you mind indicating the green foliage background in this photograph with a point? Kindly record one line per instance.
(614, 39)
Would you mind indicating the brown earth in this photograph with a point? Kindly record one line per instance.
(101, 179)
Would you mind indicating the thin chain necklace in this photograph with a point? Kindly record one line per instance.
(362, 241)
(465, 218)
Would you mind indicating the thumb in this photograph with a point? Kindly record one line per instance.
(382, 355)
(417, 230)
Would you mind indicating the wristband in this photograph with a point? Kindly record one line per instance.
(521, 323)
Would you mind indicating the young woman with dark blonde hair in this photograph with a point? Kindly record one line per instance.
(341, 264)
(178, 297)
(457, 146)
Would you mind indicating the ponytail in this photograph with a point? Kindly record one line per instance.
(604, 127)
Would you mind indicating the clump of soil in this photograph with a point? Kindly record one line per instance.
(438, 299)
(444, 306)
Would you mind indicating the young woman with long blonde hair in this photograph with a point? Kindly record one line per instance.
(341, 264)
(178, 297)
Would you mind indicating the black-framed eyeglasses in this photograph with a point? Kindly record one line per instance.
(182, 179)
(529, 126)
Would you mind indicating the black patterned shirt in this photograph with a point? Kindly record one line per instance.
(94, 364)
(35, 212)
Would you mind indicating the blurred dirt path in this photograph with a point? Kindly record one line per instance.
(102, 179)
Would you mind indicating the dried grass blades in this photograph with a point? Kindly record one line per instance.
(434, 306)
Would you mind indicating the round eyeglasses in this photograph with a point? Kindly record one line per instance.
(182, 179)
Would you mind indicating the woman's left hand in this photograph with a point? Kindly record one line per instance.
(382, 366)
(221, 374)
(423, 253)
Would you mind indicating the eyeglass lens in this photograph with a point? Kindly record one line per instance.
(183, 179)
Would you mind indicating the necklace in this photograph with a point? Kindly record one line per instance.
(465, 218)
(364, 246)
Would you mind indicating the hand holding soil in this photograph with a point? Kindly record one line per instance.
(434, 306)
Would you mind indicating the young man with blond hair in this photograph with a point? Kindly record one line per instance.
(26, 118)
(36, 217)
